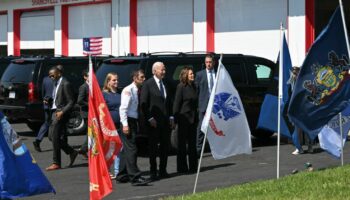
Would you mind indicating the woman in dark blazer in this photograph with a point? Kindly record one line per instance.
(185, 112)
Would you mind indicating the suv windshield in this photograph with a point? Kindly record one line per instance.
(121, 67)
(19, 73)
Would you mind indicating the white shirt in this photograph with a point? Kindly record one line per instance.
(208, 77)
(129, 104)
(55, 92)
(157, 81)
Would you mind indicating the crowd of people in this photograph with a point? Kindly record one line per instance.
(161, 110)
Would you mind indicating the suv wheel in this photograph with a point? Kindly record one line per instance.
(76, 123)
(35, 126)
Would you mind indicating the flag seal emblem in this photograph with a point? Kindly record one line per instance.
(328, 78)
(226, 106)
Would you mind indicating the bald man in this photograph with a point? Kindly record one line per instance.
(156, 106)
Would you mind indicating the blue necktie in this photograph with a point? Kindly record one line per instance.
(161, 88)
(211, 79)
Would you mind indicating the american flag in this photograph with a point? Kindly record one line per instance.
(92, 46)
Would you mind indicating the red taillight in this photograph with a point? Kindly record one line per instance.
(117, 61)
(31, 92)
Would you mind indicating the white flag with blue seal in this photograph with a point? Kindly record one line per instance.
(226, 124)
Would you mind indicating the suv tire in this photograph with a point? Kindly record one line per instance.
(262, 134)
(76, 123)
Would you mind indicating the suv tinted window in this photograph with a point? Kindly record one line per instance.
(122, 67)
(236, 72)
(263, 72)
(19, 72)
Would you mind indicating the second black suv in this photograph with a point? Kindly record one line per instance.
(253, 76)
(20, 85)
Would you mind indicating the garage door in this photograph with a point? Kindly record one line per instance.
(165, 25)
(249, 27)
(37, 30)
(89, 21)
(3, 29)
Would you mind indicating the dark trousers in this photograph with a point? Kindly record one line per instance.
(186, 136)
(128, 156)
(200, 134)
(59, 138)
(84, 146)
(161, 136)
(45, 126)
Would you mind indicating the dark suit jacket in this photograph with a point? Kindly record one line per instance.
(185, 103)
(47, 89)
(201, 82)
(64, 96)
(153, 104)
(83, 97)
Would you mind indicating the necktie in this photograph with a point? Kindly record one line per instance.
(211, 80)
(161, 88)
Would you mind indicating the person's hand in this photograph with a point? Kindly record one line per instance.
(45, 102)
(153, 123)
(126, 130)
(59, 115)
(172, 123)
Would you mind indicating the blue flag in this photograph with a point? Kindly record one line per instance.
(20, 176)
(322, 89)
(269, 109)
(329, 136)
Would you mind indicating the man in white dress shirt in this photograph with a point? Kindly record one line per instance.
(129, 114)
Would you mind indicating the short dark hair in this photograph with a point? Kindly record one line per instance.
(136, 72)
(210, 55)
(85, 72)
(58, 68)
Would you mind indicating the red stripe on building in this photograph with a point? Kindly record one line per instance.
(64, 30)
(309, 23)
(16, 32)
(133, 26)
(210, 25)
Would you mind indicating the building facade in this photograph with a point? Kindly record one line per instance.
(133, 26)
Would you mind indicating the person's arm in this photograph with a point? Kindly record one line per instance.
(82, 96)
(68, 93)
(178, 101)
(124, 105)
(144, 101)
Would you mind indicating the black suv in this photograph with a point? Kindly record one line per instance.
(4, 62)
(253, 76)
(21, 85)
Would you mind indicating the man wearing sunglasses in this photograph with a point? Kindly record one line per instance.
(63, 101)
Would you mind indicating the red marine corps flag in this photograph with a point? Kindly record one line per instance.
(104, 141)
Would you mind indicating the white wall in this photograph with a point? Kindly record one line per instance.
(37, 30)
(165, 25)
(249, 27)
(199, 25)
(122, 21)
(89, 21)
(3, 29)
(296, 26)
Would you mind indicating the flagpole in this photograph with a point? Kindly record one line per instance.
(205, 137)
(280, 93)
(341, 139)
(344, 26)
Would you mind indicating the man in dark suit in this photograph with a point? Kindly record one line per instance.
(63, 102)
(204, 82)
(83, 102)
(156, 106)
(46, 92)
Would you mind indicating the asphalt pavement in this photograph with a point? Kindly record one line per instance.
(73, 183)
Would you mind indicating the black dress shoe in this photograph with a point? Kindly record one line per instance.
(37, 146)
(153, 177)
(123, 178)
(72, 157)
(140, 181)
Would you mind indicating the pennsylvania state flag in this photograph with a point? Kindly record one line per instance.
(20, 176)
(322, 89)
